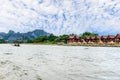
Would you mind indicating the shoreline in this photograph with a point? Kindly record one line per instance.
(86, 45)
(82, 45)
(94, 45)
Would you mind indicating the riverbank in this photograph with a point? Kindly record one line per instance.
(70, 44)
(93, 45)
(77, 44)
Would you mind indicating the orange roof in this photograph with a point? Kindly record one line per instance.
(104, 37)
(117, 36)
(110, 36)
(97, 37)
(70, 37)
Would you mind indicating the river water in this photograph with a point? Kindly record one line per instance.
(47, 62)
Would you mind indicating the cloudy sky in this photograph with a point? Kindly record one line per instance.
(60, 16)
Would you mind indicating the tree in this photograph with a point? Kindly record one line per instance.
(72, 34)
(40, 39)
(86, 34)
(29, 41)
(52, 38)
(63, 38)
(2, 41)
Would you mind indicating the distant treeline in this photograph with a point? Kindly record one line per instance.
(52, 39)
(86, 34)
(2, 41)
(49, 39)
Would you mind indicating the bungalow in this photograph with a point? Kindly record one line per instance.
(71, 39)
(95, 39)
(78, 39)
(74, 39)
(92, 39)
(87, 39)
(117, 38)
(104, 39)
(111, 38)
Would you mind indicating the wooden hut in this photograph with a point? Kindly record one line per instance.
(117, 38)
(111, 38)
(104, 39)
(74, 39)
(92, 39)
(97, 38)
(71, 39)
(78, 39)
(87, 39)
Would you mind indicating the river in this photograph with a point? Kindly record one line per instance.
(48, 62)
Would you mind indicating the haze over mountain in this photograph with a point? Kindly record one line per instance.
(60, 16)
(13, 36)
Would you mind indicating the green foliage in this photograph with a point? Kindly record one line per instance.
(2, 41)
(29, 41)
(63, 38)
(72, 34)
(40, 39)
(86, 34)
(52, 39)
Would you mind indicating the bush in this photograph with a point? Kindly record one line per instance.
(86, 34)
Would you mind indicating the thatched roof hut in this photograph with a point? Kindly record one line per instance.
(104, 39)
(117, 36)
(111, 38)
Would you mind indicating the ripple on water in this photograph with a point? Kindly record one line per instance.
(12, 71)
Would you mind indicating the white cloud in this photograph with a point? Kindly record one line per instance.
(60, 16)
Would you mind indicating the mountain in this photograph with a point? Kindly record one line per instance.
(12, 36)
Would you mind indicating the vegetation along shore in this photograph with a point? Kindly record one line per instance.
(85, 39)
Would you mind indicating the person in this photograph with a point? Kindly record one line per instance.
(16, 44)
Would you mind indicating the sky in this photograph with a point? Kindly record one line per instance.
(61, 16)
